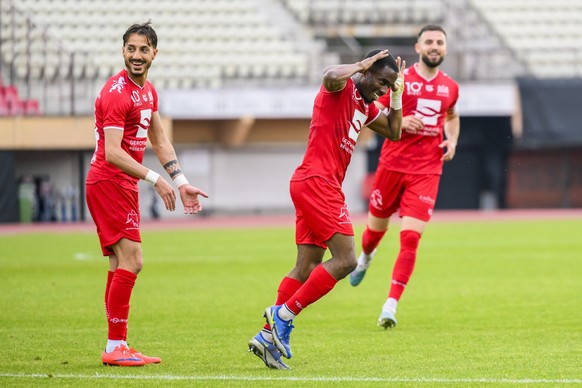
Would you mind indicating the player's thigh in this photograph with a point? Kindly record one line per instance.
(115, 212)
(321, 212)
(386, 193)
(419, 198)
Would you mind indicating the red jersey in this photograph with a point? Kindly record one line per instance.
(336, 122)
(122, 105)
(431, 100)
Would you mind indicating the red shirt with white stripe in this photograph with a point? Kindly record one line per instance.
(125, 106)
(431, 100)
(337, 119)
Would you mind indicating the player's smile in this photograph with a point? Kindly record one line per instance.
(137, 64)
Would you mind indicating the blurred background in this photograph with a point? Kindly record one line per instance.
(237, 79)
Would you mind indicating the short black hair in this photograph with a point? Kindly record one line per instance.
(144, 29)
(382, 62)
(431, 27)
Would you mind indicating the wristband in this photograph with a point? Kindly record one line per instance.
(180, 180)
(396, 103)
(152, 177)
(396, 96)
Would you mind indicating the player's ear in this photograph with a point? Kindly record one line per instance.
(417, 48)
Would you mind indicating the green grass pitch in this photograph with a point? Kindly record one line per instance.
(490, 303)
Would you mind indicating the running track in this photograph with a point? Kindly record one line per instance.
(245, 221)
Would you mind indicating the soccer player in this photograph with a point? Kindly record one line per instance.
(126, 115)
(409, 171)
(344, 104)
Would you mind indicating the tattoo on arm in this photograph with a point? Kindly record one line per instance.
(172, 168)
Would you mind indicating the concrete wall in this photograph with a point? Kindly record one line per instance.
(249, 179)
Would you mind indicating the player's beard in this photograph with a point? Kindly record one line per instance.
(145, 66)
(432, 64)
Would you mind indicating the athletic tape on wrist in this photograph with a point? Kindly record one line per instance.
(180, 180)
(152, 177)
(396, 103)
(396, 96)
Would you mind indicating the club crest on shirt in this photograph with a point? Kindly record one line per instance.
(118, 85)
(443, 90)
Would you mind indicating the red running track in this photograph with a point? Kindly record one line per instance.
(258, 221)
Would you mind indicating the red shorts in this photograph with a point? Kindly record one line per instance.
(115, 211)
(414, 194)
(320, 212)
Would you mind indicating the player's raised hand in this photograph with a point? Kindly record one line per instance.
(189, 196)
(398, 86)
(368, 62)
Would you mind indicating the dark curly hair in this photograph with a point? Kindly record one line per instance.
(144, 29)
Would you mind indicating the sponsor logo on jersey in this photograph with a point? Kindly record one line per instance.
(429, 88)
(429, 110)
(135, 96)
(355, 94)
(413, 88)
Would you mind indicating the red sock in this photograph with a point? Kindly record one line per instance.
(286, 289)
(404, 264)
(371, 239)
(118, 303)
(319, 283)
(107, 288)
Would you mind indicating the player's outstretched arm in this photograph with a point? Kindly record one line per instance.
(189, 196)
(167, 157)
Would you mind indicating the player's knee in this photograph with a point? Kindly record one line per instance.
(138, 265)
(351, 266)
(409, 240)
(348, 264)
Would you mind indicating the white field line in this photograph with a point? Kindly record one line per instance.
(291, 378)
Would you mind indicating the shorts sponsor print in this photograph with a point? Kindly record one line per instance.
(114, 208)
(414, 194)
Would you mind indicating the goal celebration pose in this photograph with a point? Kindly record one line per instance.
(343, 106)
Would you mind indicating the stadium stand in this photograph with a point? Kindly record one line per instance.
(544, 34)
(65, 46)
(11, 104)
